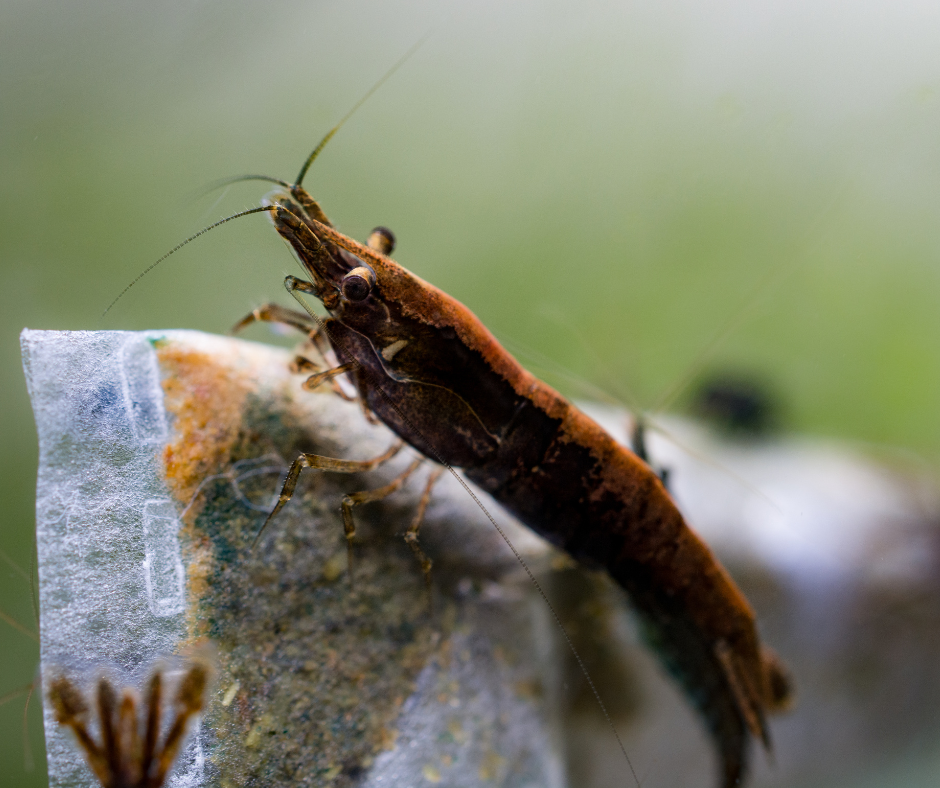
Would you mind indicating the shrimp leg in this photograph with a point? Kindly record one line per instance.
(321, 463)
(275, 313)
(411, 535)
(368, 496)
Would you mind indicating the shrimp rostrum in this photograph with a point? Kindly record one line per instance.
(430, 370)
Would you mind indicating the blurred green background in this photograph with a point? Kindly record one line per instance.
(607, 183)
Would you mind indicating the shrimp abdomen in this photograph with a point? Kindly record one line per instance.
(567, 479)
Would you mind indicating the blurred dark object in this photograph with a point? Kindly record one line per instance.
(638, 446)
(737, 403)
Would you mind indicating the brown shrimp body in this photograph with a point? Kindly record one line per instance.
(429, 369)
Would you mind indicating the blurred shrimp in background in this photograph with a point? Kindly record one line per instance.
(639, 169)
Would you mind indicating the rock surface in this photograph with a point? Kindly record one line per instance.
(160, 456)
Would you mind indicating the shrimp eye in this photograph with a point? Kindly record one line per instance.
(382, 240)
(358, 283)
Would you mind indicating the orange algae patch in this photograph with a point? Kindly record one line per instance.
(207, 402)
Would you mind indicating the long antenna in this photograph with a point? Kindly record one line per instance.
(773, 277)
(252, 177)
(179, 246)
(211, 187)
(329, 135)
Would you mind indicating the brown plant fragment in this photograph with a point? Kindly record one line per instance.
(130, 753)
